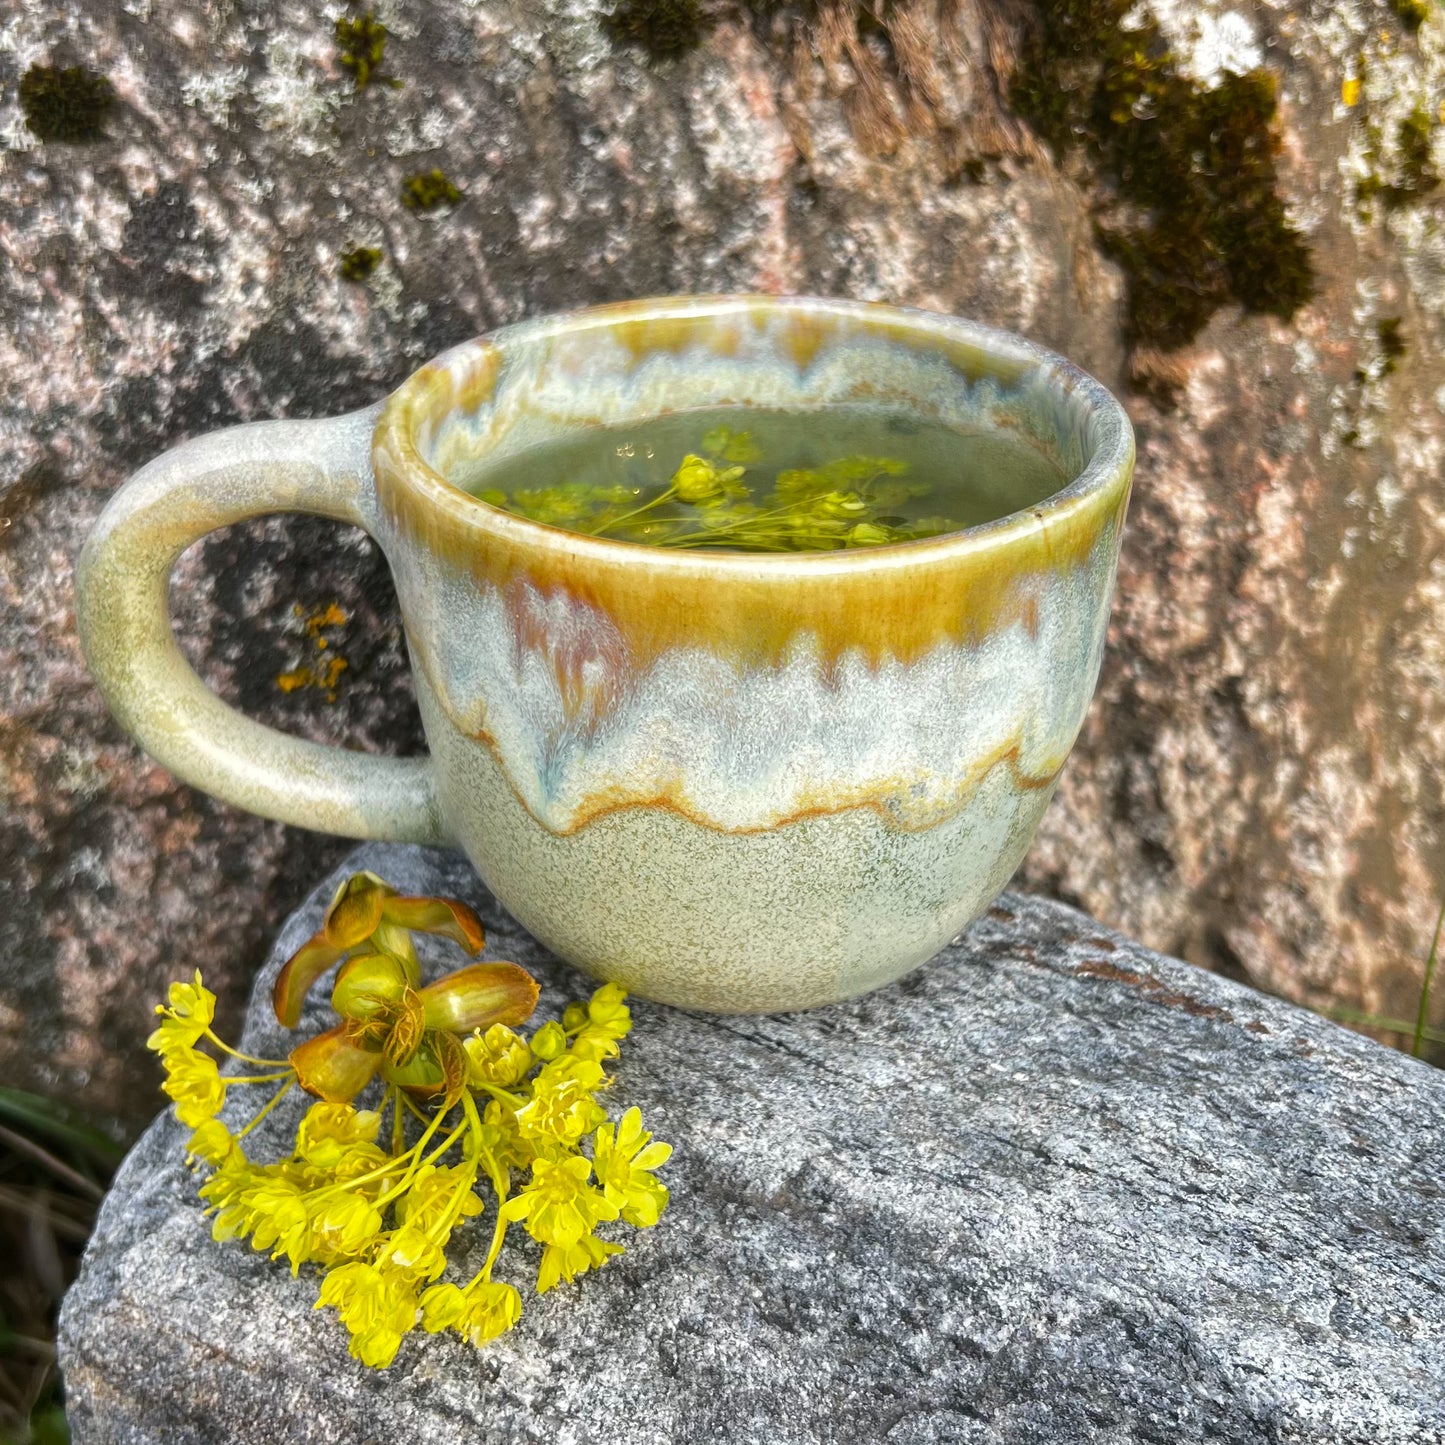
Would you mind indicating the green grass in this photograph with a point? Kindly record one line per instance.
(53, 1171)
(1418, 1032)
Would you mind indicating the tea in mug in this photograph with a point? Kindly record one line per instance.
(747, 479)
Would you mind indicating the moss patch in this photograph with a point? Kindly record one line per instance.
(1412, 14)
(664, 28)
(428, 190)
(1392, 343)
(358, 263)
(1415, 173)
(1189, 207)
(361, 41)
(69, 104)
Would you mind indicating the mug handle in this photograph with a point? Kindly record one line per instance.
(123, 616)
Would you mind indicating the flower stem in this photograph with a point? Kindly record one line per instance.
(418, 1161)
(225, 1048)
(637, 511)
(515, 1100)
(398, 1133)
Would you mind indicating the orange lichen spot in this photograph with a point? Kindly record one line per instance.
(325, 672)
(329, 616)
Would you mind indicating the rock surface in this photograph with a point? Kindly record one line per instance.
(1257, 787)
(1051, 1188)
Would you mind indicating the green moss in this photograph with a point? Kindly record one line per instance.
(427, 190)
(1393, 346)
(1415, 173)
(1188, 207)
(1392, 343)
(362, 42)
(1418, 177)
(1412, 13)
(664, 28)
(358, 263)
(69, 104)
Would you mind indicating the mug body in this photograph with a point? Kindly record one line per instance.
(740, 782)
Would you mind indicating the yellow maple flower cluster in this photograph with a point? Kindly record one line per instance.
(467, 1107)
(709, 502)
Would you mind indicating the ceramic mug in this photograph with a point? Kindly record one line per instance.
(728, 781)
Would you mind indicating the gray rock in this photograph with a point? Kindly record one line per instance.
(1051, 1188)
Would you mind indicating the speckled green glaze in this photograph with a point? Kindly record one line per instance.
(728, 781)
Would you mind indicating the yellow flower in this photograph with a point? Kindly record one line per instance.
(566, 1263)
(434, 1192)
(414, 1253)
(481, 1312)
(731, 446)
(623, 1160)
(550, 1041)
(501, 1140)
(376, 1348)
(277, 1215)
(492, 1308)
(869, 534)
(359, 1159)
(377, 1305)
(593, 1044)
(441, 1307)
(559, 1206)
(194, 1082)
(347, 1223)
(326, 1130)
(562, 1109)
(192, 1008)
(498, 1057)
(223, 1193)
(696, 480)
(608, 1010)
(213, 1143)
(606, 1019)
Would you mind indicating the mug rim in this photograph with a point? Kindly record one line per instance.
(1107, 471)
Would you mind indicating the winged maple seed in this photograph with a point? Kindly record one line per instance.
(391, 1025)
(377, 1220)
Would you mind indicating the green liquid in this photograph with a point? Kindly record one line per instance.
(754, 480)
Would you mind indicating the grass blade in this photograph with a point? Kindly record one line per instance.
(35, 1115)
(1419, 1032)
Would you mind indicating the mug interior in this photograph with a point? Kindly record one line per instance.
(492, 399)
